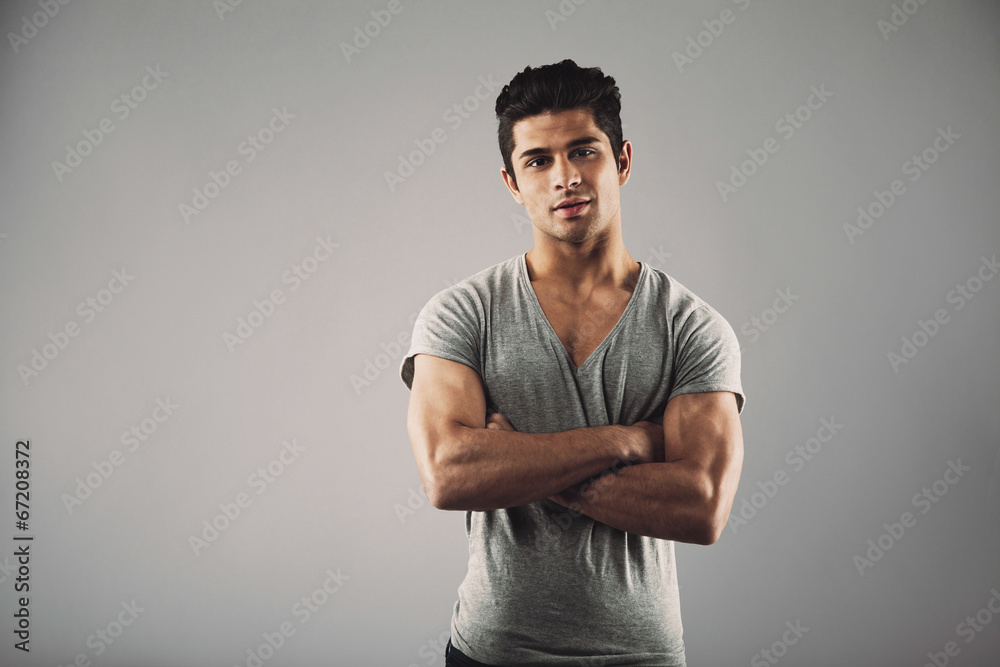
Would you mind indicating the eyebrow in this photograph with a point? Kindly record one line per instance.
(573, 144)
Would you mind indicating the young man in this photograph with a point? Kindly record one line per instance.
(581, 407)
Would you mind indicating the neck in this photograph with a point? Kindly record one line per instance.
(580, 268)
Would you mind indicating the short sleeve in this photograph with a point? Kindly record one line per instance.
(449, 326)
(707, 356)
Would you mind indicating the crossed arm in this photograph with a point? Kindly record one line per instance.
(678, 484)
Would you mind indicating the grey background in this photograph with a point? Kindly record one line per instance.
(340, 504)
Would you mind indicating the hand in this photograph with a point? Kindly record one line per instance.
(497, 422)
(570, 498)
(648, 442)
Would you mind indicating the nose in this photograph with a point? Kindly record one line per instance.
(565, 174)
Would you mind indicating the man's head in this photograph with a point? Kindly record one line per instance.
(561, 140)
(559, 87)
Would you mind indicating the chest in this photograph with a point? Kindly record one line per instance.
(582, 327)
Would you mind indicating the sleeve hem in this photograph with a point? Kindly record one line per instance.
(701, 388)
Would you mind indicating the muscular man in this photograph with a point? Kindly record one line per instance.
(581, 408)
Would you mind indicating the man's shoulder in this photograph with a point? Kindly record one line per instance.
(481, 287)
(676, 298)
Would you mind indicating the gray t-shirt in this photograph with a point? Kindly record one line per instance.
(543, 587)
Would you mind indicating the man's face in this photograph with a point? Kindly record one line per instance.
(564, 156)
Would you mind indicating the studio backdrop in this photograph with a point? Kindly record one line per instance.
(220, 219)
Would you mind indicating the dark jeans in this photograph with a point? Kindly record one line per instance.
(455, 658)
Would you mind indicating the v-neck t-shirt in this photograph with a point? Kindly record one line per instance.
(546, 586)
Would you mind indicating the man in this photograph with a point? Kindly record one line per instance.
(581, 407)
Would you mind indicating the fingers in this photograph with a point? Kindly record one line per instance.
(495, 420)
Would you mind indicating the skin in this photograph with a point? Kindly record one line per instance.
(681, 478)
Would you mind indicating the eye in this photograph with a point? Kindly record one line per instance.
(586, 151)
(532, 163)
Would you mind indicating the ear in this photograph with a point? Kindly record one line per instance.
(509, 182)
(625, 162)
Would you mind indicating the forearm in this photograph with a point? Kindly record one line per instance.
(484, 469)
(671, 501)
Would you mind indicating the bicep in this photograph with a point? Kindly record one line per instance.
(703, 431)
(445, 395)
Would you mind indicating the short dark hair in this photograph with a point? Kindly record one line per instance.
(558, 87)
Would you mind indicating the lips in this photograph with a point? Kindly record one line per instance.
(569, 203)
(571, 208)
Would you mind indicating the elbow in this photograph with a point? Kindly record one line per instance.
(438, 495)
(710, 531)
(435, 486)
(430, 452)
(437, 475)
(712, 519)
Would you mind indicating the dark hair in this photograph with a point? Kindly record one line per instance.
(558, 87)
